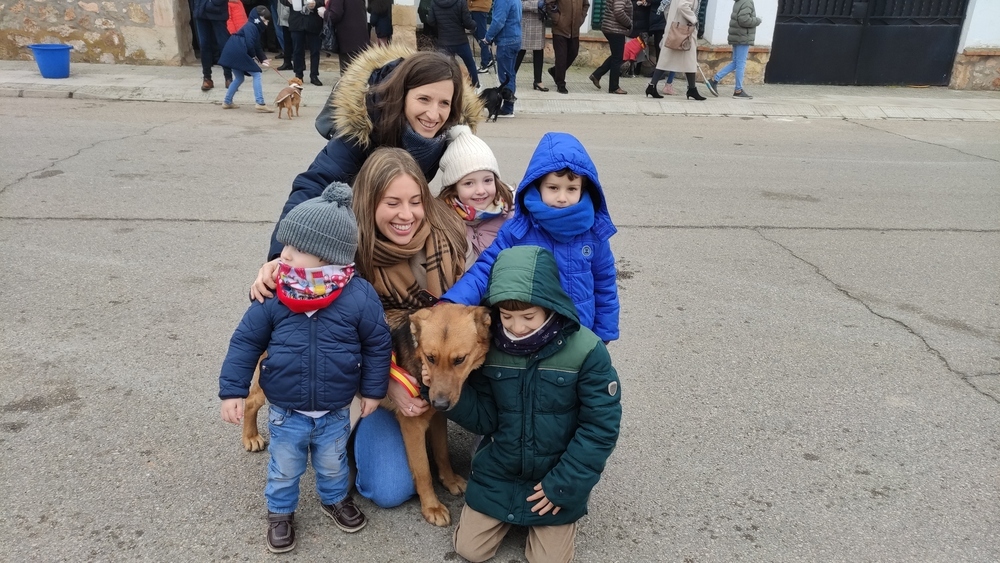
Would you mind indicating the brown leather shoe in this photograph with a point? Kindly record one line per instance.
(228, 82)
(280, 532)
(347, 516)
(207, 85)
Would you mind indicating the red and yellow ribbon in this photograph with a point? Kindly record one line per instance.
(399, 374)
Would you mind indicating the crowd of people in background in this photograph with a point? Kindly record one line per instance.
(655, 38)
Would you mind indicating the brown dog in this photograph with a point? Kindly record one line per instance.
(450, 340)
(289, 97)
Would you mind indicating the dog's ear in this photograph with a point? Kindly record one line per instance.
(483, 320)
(416, 319)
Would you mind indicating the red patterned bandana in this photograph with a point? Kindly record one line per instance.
(308, 289)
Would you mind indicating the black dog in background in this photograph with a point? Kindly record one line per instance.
(493, 98)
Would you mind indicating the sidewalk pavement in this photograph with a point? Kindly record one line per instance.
(182, 84)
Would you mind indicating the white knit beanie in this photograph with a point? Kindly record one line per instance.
(466, 153)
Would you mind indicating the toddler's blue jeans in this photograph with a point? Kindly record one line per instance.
(295, 437)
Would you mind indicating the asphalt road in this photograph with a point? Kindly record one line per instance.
(810, 352)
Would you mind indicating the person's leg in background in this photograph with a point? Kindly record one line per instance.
(537, 58)
(287, 35)
(617, 43)
(221, 35)
(205, 35)
(560, 46)
(505, 57)
(315, 41)
(464, 52)
(486, 58)
(278, 35)
(668, 88)
(740, 53)
(299, 53)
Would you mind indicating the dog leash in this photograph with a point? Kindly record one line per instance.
(270, 67)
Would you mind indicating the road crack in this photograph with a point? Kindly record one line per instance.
(966, 378)
(939, 145)
(86, 148)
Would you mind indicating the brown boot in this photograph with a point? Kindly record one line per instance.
(207, 85)
(347, 516)
(280, 532)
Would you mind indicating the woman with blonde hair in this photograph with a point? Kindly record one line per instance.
(411, 248)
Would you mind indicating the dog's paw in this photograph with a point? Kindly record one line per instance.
(254, 443)
(436, 514)
(455, 485)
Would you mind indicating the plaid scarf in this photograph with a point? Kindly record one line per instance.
(473, 215)
(393, 278)
(309, 289)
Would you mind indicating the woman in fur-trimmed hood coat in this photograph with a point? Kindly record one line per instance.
(354, 136)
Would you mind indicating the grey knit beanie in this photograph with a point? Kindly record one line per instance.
(324, 226)
(466, 153)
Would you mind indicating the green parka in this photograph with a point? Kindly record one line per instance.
(550, 417)
(743, 23)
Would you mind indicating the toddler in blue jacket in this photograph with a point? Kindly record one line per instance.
(326, 341)
(559, 206)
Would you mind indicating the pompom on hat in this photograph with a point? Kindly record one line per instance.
(466, 153)
(323, 226)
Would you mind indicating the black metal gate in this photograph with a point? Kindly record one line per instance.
(865, 43)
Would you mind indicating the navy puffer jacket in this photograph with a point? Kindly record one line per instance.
(243, 46)
(313, 363)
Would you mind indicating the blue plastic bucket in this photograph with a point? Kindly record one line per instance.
(52, 59)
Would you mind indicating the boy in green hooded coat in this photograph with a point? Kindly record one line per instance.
(547, 401)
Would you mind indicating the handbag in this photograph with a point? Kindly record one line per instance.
(329, 43)
(679, 36)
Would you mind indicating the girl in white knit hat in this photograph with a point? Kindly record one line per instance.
(472, 187)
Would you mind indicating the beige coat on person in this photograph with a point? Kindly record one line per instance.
(680, 61)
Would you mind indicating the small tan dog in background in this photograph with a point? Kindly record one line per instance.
(289, 97)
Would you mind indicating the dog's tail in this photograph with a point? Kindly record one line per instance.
(504, 83)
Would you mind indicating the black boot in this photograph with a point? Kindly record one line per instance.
(692, 88)
(651, 91)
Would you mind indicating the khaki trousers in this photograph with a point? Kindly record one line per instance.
(478, 536)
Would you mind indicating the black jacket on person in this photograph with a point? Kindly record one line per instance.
(640, 18)
(452, 18)
(310, 23)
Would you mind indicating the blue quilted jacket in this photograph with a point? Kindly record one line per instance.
(313, 363)
(586, 264)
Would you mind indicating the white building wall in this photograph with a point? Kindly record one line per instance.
(981, 29)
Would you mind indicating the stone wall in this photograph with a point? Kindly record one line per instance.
(976, 69)
(111, 31)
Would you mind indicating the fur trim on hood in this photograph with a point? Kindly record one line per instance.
(350, 111)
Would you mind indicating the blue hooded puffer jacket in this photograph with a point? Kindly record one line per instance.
(316, 362)
(244, 45)
(586, 264)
